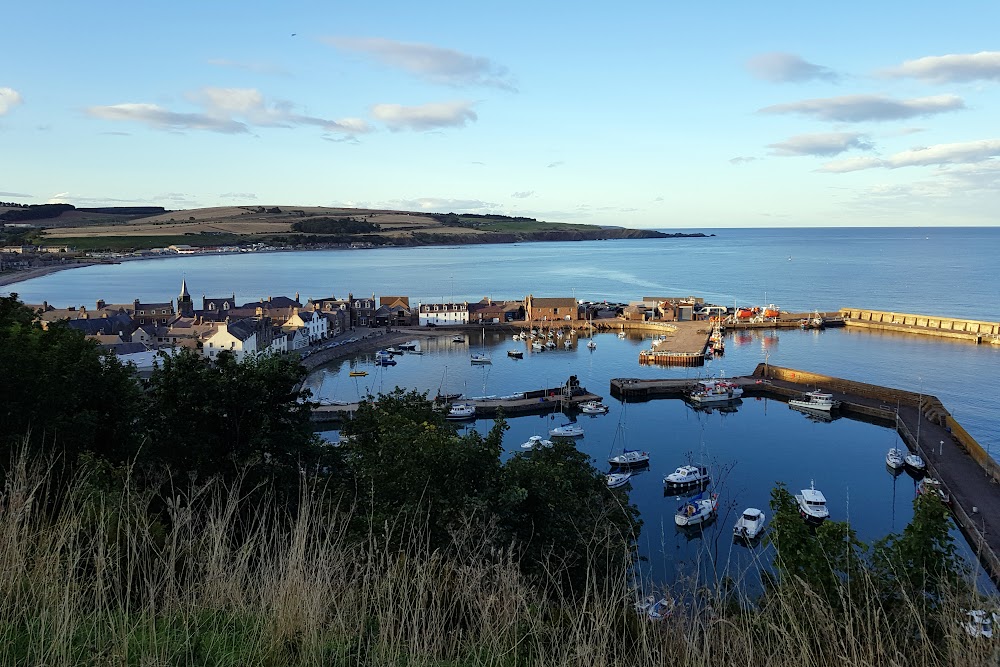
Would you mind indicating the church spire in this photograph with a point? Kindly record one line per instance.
(184, 288)
(185, 307)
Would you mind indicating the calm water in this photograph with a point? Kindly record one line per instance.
(933, 271)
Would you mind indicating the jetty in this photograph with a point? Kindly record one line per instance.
(682, 345)
(975, 331)
(563, 398)
(968, 474)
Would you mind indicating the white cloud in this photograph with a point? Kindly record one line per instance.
(970, 152)
(228, 111)
(553, 165)
(952, 68)
(162, 119)
(826, 144)
(242, 196)
(426, 116)
(524, 194)
(429, 62)
(9, 98)
(786, 67)
(858, 108)
(442, 205)
(18, 195)
(741, 159)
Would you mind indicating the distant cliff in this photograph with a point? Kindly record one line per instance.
(595, 234)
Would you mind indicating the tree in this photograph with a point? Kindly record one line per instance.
(408, 468)
(216, 419)
(922, 562)
(824, 558)
(59, 392)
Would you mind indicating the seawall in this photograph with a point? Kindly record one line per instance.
(948, 327)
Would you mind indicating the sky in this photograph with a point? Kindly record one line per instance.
(641, 114)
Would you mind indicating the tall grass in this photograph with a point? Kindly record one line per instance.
(88, 577)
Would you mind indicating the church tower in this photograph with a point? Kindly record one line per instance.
(185, 307)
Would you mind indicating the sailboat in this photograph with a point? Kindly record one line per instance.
(591, 345)
(629, 458)
(481, 357)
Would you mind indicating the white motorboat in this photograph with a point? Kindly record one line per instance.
(460, 411)
(697, 510)
(567, 431)
(515, 354)
(616, 479)
(478, 358)
(550, 345)
(394, 350)
(894, 458)
(457, 338)
(750, 524)
(715, 391)
(536, 347)
(568, 344)
(591, 345)
(621, 335)
(812, 504)
(630, 458)
(978, 623)
(384, 358)
(915, 463)
(815, 400)
(536, 441)
(594, 408)
(688, 476)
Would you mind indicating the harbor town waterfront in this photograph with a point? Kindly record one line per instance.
(751, 445)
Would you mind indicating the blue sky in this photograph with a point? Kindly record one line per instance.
(639, 114)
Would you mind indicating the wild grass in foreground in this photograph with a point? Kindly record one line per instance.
(88, 578)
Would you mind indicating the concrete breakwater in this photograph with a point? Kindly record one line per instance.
(976, 331)
(967, 472)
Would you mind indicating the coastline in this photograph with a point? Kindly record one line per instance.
(19, 276)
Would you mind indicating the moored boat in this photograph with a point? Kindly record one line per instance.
(478, 358)
(567, 431)
(750, 525)
(536, 441)
(812, 505)
(630, 458)
(687, 476)
(515, 354)
(715, 391)
(697, 510)
(593, 408)
(461, 411)
(894, 458)
(914, 463)
(930, 485)
(815, 400)
(358, 374)
(616, 479)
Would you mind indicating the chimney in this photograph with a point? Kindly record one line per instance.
(100, 304)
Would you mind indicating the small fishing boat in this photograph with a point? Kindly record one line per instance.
(567, 431)
(458, 339)
(478, 358)
(630, 458)
(815, 400)
(383, 358)
(697, 510)
(515, 354)
(687, 476)
(616, 479)
(661, 609)
(568, 344)
(594, 408)
(536, 347)
(394, 350)
(460, 411)
(812, 505)
(715, 391)
(750, 524)
(591, 345)
(536, 441)
(930, 485)
(358, 374)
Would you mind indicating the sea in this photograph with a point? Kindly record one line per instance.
(749, 446)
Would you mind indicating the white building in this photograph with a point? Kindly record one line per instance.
(444, 313)
(239, 337)
(315, 325)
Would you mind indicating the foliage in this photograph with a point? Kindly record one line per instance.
(922, 562)
(334, 226)
(214, 419)
(60, 391)
(822, 558)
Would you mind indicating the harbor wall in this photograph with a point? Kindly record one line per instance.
(973, 448)
(890, 397)
(949, 327)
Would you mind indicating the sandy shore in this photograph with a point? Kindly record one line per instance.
(19, 276)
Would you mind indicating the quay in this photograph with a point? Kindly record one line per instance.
(975, 331)
(967, 472)
(567, 397)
